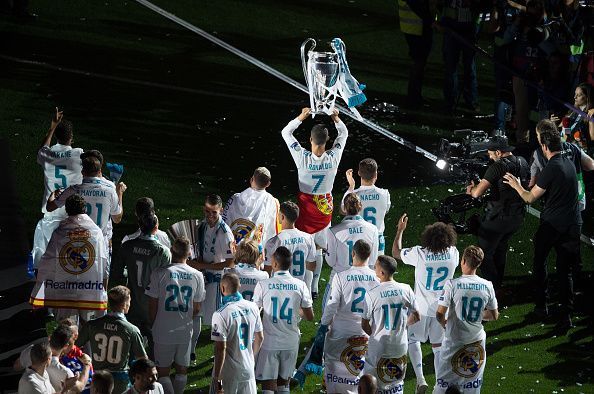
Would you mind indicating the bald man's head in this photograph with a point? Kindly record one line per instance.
(367, 384)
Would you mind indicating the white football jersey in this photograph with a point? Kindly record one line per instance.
(300, 244)
(249, 277)
(376, 204)
(432, 270)
(342, 238)
(281, 298)
(177, 287)
(346, 303)
(236, 323)
(162, 237)
(217, 243)
(386, 307)
(316, 174)
(61, 168)
(466, 297)
(101, 198)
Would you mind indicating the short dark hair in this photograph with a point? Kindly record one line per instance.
(368, 169)
(61, 337)
(144, 205)
(438, 237)
(551, 140)
(40, 352)
(388, 264)
(117, 296)
(180, 248)
(75, 205)
(283, 257)
(473, 256)
(147, 223)
(102, 382)
(91, 165)
(262, 177)
(352, 204)
(93, 153)
(546, 126)
(231, 280)
(290, 210)
(453, 390)
(140, 366)
(362, 249)
(319, 134)
(213, 199)
(64, 132)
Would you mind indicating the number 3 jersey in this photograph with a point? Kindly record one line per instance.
(432, 270)
(177, 287)
(281, 297)
(466, 297)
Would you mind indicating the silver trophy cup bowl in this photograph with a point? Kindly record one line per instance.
(321, 73)
(189, 229)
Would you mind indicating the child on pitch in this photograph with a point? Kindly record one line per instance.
(435, 261)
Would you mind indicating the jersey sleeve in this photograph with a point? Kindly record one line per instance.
(411, 300)
(116, 209)
(294, 146)
(43, 155)
(258, 327)
(152, 290)
(340, 140)
(388, 201)
(374, 249)
(545, 178)
(269, 250)
(410, 256)
(446, 297)
(218, 332)
(226, 245)
(257, 298)
(200, 294)
(494, 173)
(331, 251)
(136, 345)
(492, 303)
(311, 249)
(61, 200)
(306, 300)
(333, 302)
(368, 307)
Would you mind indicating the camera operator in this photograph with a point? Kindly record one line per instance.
(560, 224)
(505, 210)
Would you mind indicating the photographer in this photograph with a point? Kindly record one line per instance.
(505, 210)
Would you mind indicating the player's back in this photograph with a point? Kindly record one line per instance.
(61, 168)
(141, 256)
(112, 340)
(342, 238)
(351, 286)
(387, 306)
(469, 295)
(376, 203)
(301, 245)
(102, 201)
(249, 277)
(432, 270)
(177, 287)
(238, 322)
(281, 298)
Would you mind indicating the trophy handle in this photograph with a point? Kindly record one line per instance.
(304, 57)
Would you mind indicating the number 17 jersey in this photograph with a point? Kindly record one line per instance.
(432, 270)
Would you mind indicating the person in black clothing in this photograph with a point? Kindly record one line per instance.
(560, 224)
(505, 210)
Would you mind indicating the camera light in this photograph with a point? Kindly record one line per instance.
(441, 164)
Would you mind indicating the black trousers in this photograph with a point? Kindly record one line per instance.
(419, 48)
(566, 242)
(493, 238)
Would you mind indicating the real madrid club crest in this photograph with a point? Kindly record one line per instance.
(352, 356)
(77, 255)
(468, 360)
(242, 228)
(391, 370)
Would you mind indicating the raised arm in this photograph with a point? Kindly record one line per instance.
(397, 245)
(56, 119)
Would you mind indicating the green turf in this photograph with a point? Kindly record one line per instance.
(176, 146)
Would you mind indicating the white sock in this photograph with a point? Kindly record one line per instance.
(436, 353)
(282, 389)
(167, 385)
(416, 359)
(179, 383)
(308, 279)
(318, 271)
(197, 323)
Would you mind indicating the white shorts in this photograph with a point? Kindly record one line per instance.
(461, 366)
(344, 359)
(426, 329)
(211, 303)
(381, 249)
(236, 387)
(169, 353)
(273, 364)
(389, 372)
(321, 238)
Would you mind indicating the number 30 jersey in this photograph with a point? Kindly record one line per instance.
(177, 287)
(432, 270)
(316, 174)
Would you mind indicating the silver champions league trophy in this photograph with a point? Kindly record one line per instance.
(189, 229)
(321, 75)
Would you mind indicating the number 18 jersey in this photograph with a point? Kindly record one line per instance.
(177, 287)
(432, 270)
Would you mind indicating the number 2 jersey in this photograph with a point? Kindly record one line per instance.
(177, 287)
(432, 270)
(316, 174)
(300, 244)
(281, 298)
(466, 297)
